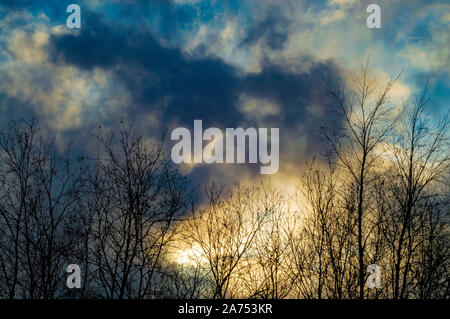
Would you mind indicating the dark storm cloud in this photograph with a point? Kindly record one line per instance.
(164, 79)
(17, 112)
(94, 48)
(273, 30)
(197, 87)
(56, 9)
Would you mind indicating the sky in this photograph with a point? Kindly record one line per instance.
(161, 64)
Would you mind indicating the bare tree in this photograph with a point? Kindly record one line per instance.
(316, 201)
(137, 198)
(225, 230)
(129, 220)
(40, 197)
(430, 262)
(367, 120)
(420, 158)
(184, 281)
(268, 273)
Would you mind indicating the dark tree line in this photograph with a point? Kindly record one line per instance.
(129, 219)
(113, 217)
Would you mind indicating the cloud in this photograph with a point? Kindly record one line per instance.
(182, 86)
(230, 63)
(257, 109)
(63, 97)
(273, 31)
(189, 2)
(344, 2)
